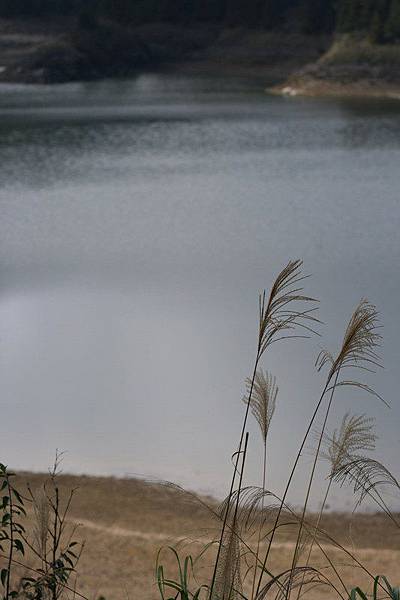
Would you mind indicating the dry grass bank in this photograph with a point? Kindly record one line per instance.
(125, 521)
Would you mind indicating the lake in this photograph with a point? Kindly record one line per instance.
(139, 221)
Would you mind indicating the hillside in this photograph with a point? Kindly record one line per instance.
(125, 521)
(353, 66)
(41, 52)
(298, 46)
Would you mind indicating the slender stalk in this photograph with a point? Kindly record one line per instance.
(328, 489)
(238, 497)
(276, 322)
(305, 505)
(320, 547)
(285, 493)
(315, 532)
(352, 556)
(262, 510)
(241, 479)
(55, 545)
(224, 524)
(11, 551)
(382, 504)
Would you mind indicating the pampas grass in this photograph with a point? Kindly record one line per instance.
(287, 312)
(253, 519)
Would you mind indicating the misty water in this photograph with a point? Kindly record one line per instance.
(139, 221)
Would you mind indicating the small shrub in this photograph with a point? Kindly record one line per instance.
(50, 545)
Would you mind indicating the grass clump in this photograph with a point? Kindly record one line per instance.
(252, 522)
(252, 519)
(39, 562)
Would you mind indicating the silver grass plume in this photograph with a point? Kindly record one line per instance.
(228, 581)
(293, 578)
(263, 399)
(279, 318)
(367, 476)
(359, 349)
(298, 578)
(279, 315)
(251, 508)
(354, 436)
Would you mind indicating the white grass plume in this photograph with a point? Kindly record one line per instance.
(280, 316)
(228, 582)
(263, 400)
(354, 436)
(359, 349)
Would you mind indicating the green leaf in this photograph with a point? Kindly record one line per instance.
(355, 591)
(69, 561)
(18, 496)
(19, 546)
(3, 576)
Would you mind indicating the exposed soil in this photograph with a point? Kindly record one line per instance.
(125, 522)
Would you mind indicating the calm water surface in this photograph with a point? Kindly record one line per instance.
(139, 219)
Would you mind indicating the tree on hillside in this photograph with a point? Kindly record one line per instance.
(273, 11)
(392, 26)
(319, 16)
(210, 10)
(351, 15)
(377, 28)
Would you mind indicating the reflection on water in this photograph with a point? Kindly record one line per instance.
(138, 221)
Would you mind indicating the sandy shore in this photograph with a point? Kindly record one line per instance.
(316, 88)
(125, 522)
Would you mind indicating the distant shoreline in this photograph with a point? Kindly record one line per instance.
(314, 88)
(352, 67)
(35, 52)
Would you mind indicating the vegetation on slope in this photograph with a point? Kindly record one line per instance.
(88, 39)
(379, 18)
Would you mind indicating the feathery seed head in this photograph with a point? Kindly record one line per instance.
(263, 399)
(354, 436)
(279, 316)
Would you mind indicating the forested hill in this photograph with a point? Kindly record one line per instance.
(49, 41)
(379, 19)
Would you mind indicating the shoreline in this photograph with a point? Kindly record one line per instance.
(352, 67)
(362, 89)
(289, 64)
